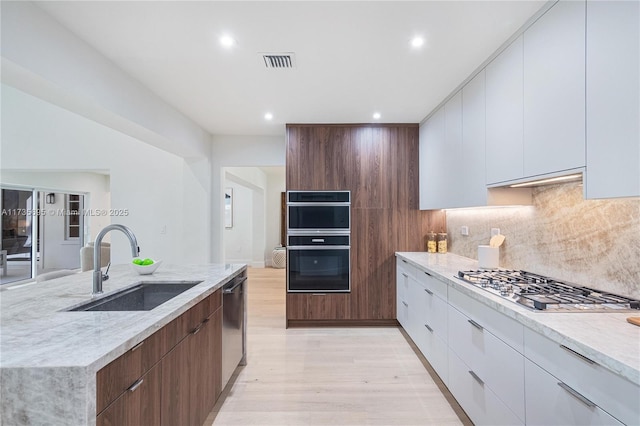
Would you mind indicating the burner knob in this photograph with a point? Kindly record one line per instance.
(506, 290)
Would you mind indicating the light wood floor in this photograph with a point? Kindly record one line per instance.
(326, 376)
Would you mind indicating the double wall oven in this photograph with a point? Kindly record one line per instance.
(318, 241)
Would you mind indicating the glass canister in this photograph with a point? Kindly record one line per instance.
(442, 242)
(432, 245)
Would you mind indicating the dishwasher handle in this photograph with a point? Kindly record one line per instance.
(238, 283)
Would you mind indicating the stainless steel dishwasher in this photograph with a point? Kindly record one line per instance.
(234, 326)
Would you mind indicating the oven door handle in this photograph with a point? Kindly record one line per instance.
(318, 247)
(318, 204)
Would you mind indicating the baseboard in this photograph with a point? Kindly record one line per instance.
(343, 323)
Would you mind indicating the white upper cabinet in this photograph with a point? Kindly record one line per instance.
(504, 148)
(452, 155)
(431, 165)
(554, 90)
(453, 146)
(472, 181)
(613, 99)
(440, 150)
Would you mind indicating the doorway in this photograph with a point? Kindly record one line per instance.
(253, 230)
(42, 231)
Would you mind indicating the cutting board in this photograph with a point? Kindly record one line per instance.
(634, 320)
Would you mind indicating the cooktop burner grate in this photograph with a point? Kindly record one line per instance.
(543, 293)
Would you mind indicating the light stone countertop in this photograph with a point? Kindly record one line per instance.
(606, 338)
(45, 349)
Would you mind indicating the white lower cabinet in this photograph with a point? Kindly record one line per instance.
(436, 351)
(431, 322)
(476, 398)
(553, 402)
(610, 392)
(404, 273)
(500, 372)
(498, 365)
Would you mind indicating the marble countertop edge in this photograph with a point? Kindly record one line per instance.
(35, 341)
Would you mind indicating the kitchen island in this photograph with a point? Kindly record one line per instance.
(49, 357)
(560, 368)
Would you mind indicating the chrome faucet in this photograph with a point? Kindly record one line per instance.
(97, 273)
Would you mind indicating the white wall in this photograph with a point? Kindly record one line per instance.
(166, 196)
(275, 186)
(55, 251)
(238, 240)
(251, 185)
(43, 58)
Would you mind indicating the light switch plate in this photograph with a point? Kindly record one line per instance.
(495, 231)
(464, 230)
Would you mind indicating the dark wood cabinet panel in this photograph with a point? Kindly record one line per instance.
(117, 376)
(185, 357)
(175, 385)
(138, 406)
(379, 165)
(305, 306)
(205, 371)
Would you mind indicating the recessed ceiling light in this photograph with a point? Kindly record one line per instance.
(268, 116)
(417, 42)
(227, 41)
(376, 116)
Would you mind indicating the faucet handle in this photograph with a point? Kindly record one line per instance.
(105, 276)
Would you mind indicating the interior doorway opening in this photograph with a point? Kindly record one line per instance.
(252, 214)
(42, 231)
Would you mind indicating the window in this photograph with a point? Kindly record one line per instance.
(73, 216)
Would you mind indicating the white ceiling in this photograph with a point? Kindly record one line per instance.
(353, 58)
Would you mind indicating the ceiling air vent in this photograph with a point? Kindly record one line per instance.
(279, 60)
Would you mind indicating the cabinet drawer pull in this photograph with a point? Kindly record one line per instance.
(429, 328)
(579, 355)
(405, 275)
(577, 395)
(137, 346)
(428, 291)
(405, 304)
(475, 376)
(404, 261)
(427, 273)
(136, 385)
(317, 240)
(204, 321)
(475, 324)
(195, 330)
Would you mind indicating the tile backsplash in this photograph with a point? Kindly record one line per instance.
(595, 243)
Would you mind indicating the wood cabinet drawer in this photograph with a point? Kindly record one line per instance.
(611, 392)
(181, 326)
(117, 376)
(138, 405)
(552, 402)
(506, 329)
(477, 399)
(321, 306)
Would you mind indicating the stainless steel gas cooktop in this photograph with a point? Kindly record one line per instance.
(542, 293)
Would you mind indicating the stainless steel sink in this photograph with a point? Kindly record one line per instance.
(143, 296)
